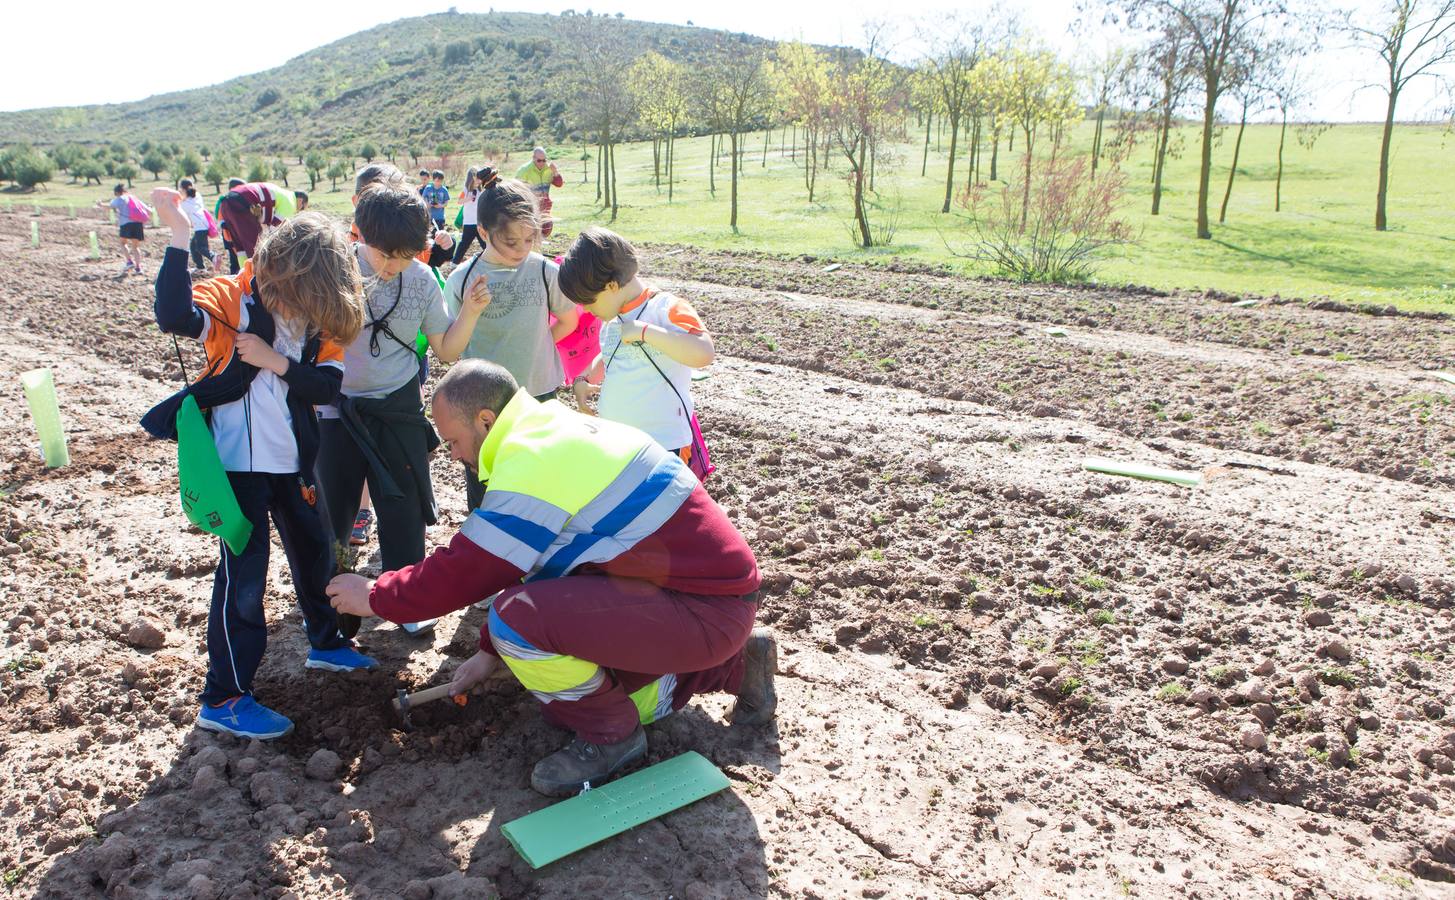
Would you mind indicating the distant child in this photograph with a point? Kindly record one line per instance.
(301, 198)
(651, 342)
(131, 230)
(423, 180)
(505, 292)
(438, 197)
(232, 262)
(202, 259)
(377, 432)
(468, 219)
(273, 336)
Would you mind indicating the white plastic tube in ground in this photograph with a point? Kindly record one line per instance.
(45, 411)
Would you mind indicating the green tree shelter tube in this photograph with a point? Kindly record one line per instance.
(207, 496)
(95, 247)
(1444, 376)
(592, 816)
(45, 411)
(1136, 470)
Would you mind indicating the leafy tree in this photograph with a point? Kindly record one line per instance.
(802, 77)
(445, 148)
(205, 151)
(125, 170)
(189, 165)
(216, 174)
(144, 147)
(155, 163)
(475, 112)
(368, 151)
(457, 53)
(1413, 38)
(66, 155)
(267, 98)
(31, 169)
(864, 105)
(957, 45)
(660, 88)
(339, 169)
(529, 122)
(602, 103)
(1038, 90)
(89, 170)
(258, 171)
(315, 163)
(280, 171)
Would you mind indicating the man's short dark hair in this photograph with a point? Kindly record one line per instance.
(596, 257)
(475, 384)
(235, 183)
(393, 221)
(437, 174)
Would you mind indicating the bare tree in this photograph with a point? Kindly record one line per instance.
(1214, 33)
(956, 44)
(733, 91)
(1110, 76)
(865, 101)
(603, 100)
(1413, 38)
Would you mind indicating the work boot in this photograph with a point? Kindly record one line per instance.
(757, 700)
(581, 764)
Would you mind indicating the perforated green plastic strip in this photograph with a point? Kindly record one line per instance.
(1135, 470)
(591, 817)
(1444, 376)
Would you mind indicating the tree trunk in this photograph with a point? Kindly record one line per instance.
(733, 221)
(671, 152)
(970, 160)
(1381, 221)
(1164, 136)
(598, 173)
(767, 133)
(1233, 170)
(793, 146)
(950, 167)
(1026, 191)
(925, 163)
(994, 151)
(1010, 142)
(614, 197)
(1096, 140)
(712, 166)
(657, 162)
(1204, 175)
(1278, 180)
(812, 163)
(859, 213)
(873, 158)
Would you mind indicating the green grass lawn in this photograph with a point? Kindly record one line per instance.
(1321, 244)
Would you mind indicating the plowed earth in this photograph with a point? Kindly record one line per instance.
(1000, 675)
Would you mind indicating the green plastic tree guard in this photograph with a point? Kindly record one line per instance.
(35, 234)
(1444, 376)
(591, 817)
(95, 247)
(1136, 470)
(1055, 331)
(45, 411)
(207, 496)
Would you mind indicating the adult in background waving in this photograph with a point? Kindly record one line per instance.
(541, 176)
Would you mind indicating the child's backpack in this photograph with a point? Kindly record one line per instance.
(212, 229)
(137, 210)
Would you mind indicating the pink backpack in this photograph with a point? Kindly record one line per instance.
(137, 210)
(212, 230)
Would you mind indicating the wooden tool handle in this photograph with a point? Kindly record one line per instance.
(428, 694)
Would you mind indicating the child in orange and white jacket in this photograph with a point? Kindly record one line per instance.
(273, 336)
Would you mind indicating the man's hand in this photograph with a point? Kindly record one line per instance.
(169, 209)
(350, 594)
(471, 672)
(255, 351)
(554, 170)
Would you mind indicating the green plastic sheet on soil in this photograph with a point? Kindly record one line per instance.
(1137, 470)
(593, 816)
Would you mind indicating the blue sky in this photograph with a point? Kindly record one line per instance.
(79, 56)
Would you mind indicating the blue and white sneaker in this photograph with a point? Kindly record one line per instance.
(342, 659)
(245, 717)
(414, 629)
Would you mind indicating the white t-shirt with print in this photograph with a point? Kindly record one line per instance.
(637, 394)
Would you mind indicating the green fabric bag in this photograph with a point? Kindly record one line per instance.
(460, 218)
(207, 496)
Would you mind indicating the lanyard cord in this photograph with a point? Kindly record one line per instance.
(382, 323)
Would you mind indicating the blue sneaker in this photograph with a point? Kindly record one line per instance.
(244, 717)
(414, 629)
(343, 659)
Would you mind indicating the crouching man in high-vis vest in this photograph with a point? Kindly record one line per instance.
(623, 588)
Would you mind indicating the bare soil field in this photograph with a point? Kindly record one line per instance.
(1001, 676)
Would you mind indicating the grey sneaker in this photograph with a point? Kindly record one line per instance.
(414, 629)
(580, 765)
(757, 699)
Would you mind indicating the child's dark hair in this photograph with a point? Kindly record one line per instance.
(300, 196)
(503, 202)
(392, 220)
(437, 174)
(377, 173)
(191, 191)
(118, 190)
(184, 183)
(596, 257)
(235, 183)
